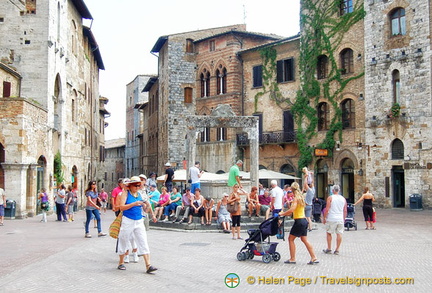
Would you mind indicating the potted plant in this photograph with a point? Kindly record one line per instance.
(394, 111)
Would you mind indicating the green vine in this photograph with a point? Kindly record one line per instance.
(322, 34)
(269, 68)
(58, 172)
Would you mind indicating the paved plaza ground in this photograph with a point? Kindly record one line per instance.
(55, 256)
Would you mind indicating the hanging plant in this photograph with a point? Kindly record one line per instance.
(58, 172)
(394, 111)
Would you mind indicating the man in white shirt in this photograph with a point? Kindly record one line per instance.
(334, 218)
(277, 196)
(195, 175)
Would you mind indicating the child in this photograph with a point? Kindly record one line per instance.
(308, 176)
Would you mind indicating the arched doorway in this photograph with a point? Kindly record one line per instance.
(348, 180)
(398, 174)
(289, 170)
(321, 179)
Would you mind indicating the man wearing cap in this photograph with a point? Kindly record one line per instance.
(234, 174)
(169, 177)
(195, 175)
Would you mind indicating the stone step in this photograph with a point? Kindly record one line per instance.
(246, 224)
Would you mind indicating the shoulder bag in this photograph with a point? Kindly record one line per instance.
(114, 228)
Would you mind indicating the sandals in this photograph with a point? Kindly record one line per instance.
(121, 267)
(151, 269)
(290, 262)
(327, 251)
(313, 262)
(336, 252)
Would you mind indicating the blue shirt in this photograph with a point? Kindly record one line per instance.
(134, 213)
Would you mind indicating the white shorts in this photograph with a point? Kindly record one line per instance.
(334, 227)
(132, 229)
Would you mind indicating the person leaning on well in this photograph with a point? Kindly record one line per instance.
(131, 204)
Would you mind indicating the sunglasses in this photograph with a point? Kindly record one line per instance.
(136, 185)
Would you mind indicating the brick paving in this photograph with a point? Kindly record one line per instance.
(55, 256)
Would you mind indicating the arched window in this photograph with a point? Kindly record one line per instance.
(397, 22)
(221, 133)
(205, 83)
(205, 135)
(322, 67)
(348, 114)
(397, 150)
(347, 61)
(396, 86)
(322, 116)
(221, 81)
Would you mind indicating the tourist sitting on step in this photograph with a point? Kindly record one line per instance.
(185, 207)
(197, 208)
(253, 202)
(208, 205)
(162, 203)
(174, 202)
(222, 214)
(265, 201)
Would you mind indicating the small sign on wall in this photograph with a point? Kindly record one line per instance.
(321, 152)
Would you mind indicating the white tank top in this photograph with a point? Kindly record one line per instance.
(336, 212)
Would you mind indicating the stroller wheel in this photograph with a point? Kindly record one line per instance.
(244, 255)
(239, 256)
(266, 258)
(276, 256)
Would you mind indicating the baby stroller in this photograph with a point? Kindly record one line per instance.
(349, 220)
(256, 244)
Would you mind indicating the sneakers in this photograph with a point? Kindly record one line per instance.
(87, 235)
(102, 234)
(126, 258)
(135, 257)
(165, 220)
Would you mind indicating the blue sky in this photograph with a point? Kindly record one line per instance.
(127, 30)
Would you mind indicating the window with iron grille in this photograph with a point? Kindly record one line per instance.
(397, 150)
(322, 65)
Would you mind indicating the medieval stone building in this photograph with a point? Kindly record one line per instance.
(50, 100)
(349, 97)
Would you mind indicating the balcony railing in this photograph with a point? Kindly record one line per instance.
(275, 137)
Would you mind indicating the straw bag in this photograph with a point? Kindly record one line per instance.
(114, 228)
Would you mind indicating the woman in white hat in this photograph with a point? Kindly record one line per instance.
(131, 204)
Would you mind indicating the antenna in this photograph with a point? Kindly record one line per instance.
(244, 14)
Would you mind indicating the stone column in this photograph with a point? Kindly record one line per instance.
(16, 186)
(254, 154)
(31, 198)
